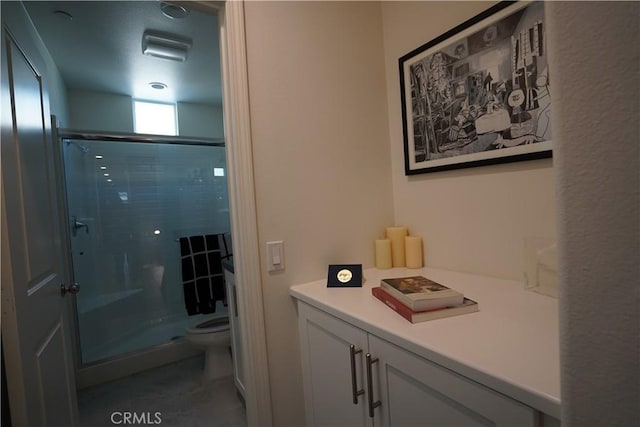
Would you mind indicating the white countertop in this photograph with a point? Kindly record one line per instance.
(511, 345)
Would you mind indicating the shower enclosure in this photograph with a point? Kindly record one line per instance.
(129, 201)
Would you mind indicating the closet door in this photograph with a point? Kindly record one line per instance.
(327, 360)
(417, 392)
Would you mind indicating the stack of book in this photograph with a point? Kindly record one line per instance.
(419, 299)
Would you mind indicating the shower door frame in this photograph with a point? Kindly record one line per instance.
(121, 365)
(64, 134)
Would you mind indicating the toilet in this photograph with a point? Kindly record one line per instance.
(214, 336)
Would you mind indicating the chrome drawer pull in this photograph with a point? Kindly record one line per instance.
(354, 383)
(372, 404)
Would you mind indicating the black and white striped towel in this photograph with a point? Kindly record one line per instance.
(202, 275)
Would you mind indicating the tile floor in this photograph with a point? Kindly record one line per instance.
(176, 392)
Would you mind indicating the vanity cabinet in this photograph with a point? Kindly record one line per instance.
(355, 378)
(326, 343)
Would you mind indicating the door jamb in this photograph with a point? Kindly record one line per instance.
(237, 126)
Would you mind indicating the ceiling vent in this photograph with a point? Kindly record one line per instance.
(165, 46)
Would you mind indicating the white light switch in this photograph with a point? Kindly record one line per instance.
(275, 255)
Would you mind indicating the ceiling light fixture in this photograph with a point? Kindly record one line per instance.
(158, 85)
(173, 11)
(165, 46)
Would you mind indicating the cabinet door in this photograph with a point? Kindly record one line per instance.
(417, 392)
(326, 363)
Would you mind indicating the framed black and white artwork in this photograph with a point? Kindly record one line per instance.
(480, 93)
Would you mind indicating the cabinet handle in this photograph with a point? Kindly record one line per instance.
(354, 383)
(372, 404)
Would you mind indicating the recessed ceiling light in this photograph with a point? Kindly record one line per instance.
(173, 11)
(158, 85)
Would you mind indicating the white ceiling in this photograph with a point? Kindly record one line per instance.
(100, 49)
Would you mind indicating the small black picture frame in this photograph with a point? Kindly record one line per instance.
(344, 276)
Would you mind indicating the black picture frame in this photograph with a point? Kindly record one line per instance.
(478, 94)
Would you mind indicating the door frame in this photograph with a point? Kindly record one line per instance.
(237, 129)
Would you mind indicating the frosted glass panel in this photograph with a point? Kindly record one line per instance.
(129, 203)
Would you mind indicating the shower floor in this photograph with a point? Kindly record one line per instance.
(176, 392)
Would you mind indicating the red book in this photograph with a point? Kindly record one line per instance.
(467, 306)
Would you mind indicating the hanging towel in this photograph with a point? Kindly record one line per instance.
(202, 275)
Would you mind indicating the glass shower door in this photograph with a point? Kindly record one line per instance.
(129, 203)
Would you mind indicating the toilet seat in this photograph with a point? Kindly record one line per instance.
(208, 326)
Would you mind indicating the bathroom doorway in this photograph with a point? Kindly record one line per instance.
(165, 55)
(236, 98)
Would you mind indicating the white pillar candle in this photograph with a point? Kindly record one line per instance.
(383, 253)
(413, 251)
(397, 235)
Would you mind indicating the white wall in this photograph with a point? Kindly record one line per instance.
(101, 111)
(596, 104)
(55, 85)
(322, 172)
(200, 120)
(473, 220)
(57, 89)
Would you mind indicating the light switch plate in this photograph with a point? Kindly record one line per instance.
(275, 255)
